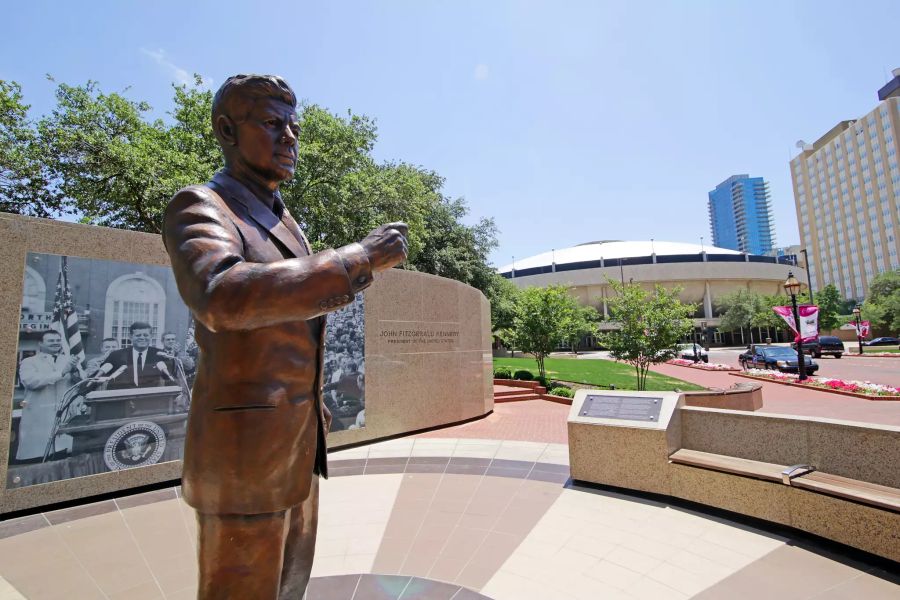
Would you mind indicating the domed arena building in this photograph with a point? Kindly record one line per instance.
(705, 274)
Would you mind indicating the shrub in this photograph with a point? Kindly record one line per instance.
(502, 373)
(523, 375)
(543, 381)
(562, 391)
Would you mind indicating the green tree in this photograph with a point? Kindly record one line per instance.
(456, 250)
(339, 193)
(100, 156)
(739, 309)
(882, 305)
(582, 322)
(24, 179)
(766, 317)
(503, 297)
(542, 316)
(830, 303)
(650, 325)
(115, 167)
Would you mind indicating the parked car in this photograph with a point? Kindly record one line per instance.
(883, 341)
(779, 358)
(826, 345)
(694, 352)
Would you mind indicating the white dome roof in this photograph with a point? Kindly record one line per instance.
(611, 250)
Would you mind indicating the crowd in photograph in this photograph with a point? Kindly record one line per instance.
(344, 379)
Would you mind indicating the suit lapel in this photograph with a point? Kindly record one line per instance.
(292, 226)
(259, 212)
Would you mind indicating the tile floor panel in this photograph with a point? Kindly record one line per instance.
(442, 518)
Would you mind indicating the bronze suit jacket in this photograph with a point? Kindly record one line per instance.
(256, 428)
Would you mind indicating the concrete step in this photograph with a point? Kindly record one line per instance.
(517, 397)
(516, 383)
(514, 392)
(519, 391)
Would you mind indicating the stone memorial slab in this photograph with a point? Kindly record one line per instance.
(625, 408)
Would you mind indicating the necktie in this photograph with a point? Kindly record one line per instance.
(138, 369)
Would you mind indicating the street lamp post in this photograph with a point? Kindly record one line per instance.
(856, 315)
(792, 287)
(808, 276)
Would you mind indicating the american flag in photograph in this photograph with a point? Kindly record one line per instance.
(65, 319)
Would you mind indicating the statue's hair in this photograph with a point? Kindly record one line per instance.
(241, 87)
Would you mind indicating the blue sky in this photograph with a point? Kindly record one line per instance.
(565, 121)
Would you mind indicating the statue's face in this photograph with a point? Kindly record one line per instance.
(267, 139)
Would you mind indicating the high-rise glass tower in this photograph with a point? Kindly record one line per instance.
(740, 215)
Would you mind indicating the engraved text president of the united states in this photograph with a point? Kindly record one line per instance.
(255, 444)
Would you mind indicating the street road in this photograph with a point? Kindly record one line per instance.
(877, 370)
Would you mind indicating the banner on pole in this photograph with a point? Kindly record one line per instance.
(809, 321)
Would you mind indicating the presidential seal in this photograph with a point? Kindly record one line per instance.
(134, 445)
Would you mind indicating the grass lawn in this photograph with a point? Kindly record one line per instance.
(596, 372)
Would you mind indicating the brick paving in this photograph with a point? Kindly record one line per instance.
(529, 420)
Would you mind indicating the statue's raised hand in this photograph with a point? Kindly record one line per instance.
(386, 246)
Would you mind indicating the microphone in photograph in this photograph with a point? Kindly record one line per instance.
(162, 368)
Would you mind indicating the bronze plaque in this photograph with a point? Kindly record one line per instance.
(625, 408)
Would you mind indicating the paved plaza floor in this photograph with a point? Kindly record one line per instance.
(448, 517)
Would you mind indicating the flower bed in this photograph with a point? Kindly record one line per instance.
(859, 389)
(681, 362)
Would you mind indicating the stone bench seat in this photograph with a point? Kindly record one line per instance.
(880, 496)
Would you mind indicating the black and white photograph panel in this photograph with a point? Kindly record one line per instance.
(345, 366)
(105, 363)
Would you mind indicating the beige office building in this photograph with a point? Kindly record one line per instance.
(847, 195)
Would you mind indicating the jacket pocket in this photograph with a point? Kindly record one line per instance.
(248, 396)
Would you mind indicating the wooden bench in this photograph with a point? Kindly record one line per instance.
(799, 476)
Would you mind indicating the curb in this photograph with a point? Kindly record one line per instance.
(729, 370)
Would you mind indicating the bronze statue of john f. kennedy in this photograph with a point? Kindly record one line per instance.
(255, 445)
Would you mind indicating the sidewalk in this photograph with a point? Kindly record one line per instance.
(783, 399)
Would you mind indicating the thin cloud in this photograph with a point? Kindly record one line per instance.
(180, 75)
(482, 72)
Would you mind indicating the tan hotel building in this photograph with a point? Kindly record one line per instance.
(847, 195)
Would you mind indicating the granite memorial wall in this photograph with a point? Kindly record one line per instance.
(97, 358)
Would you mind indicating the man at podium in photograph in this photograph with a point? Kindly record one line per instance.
(255, 444)
(139, 366)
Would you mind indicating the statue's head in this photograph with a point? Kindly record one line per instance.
(254, 117)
